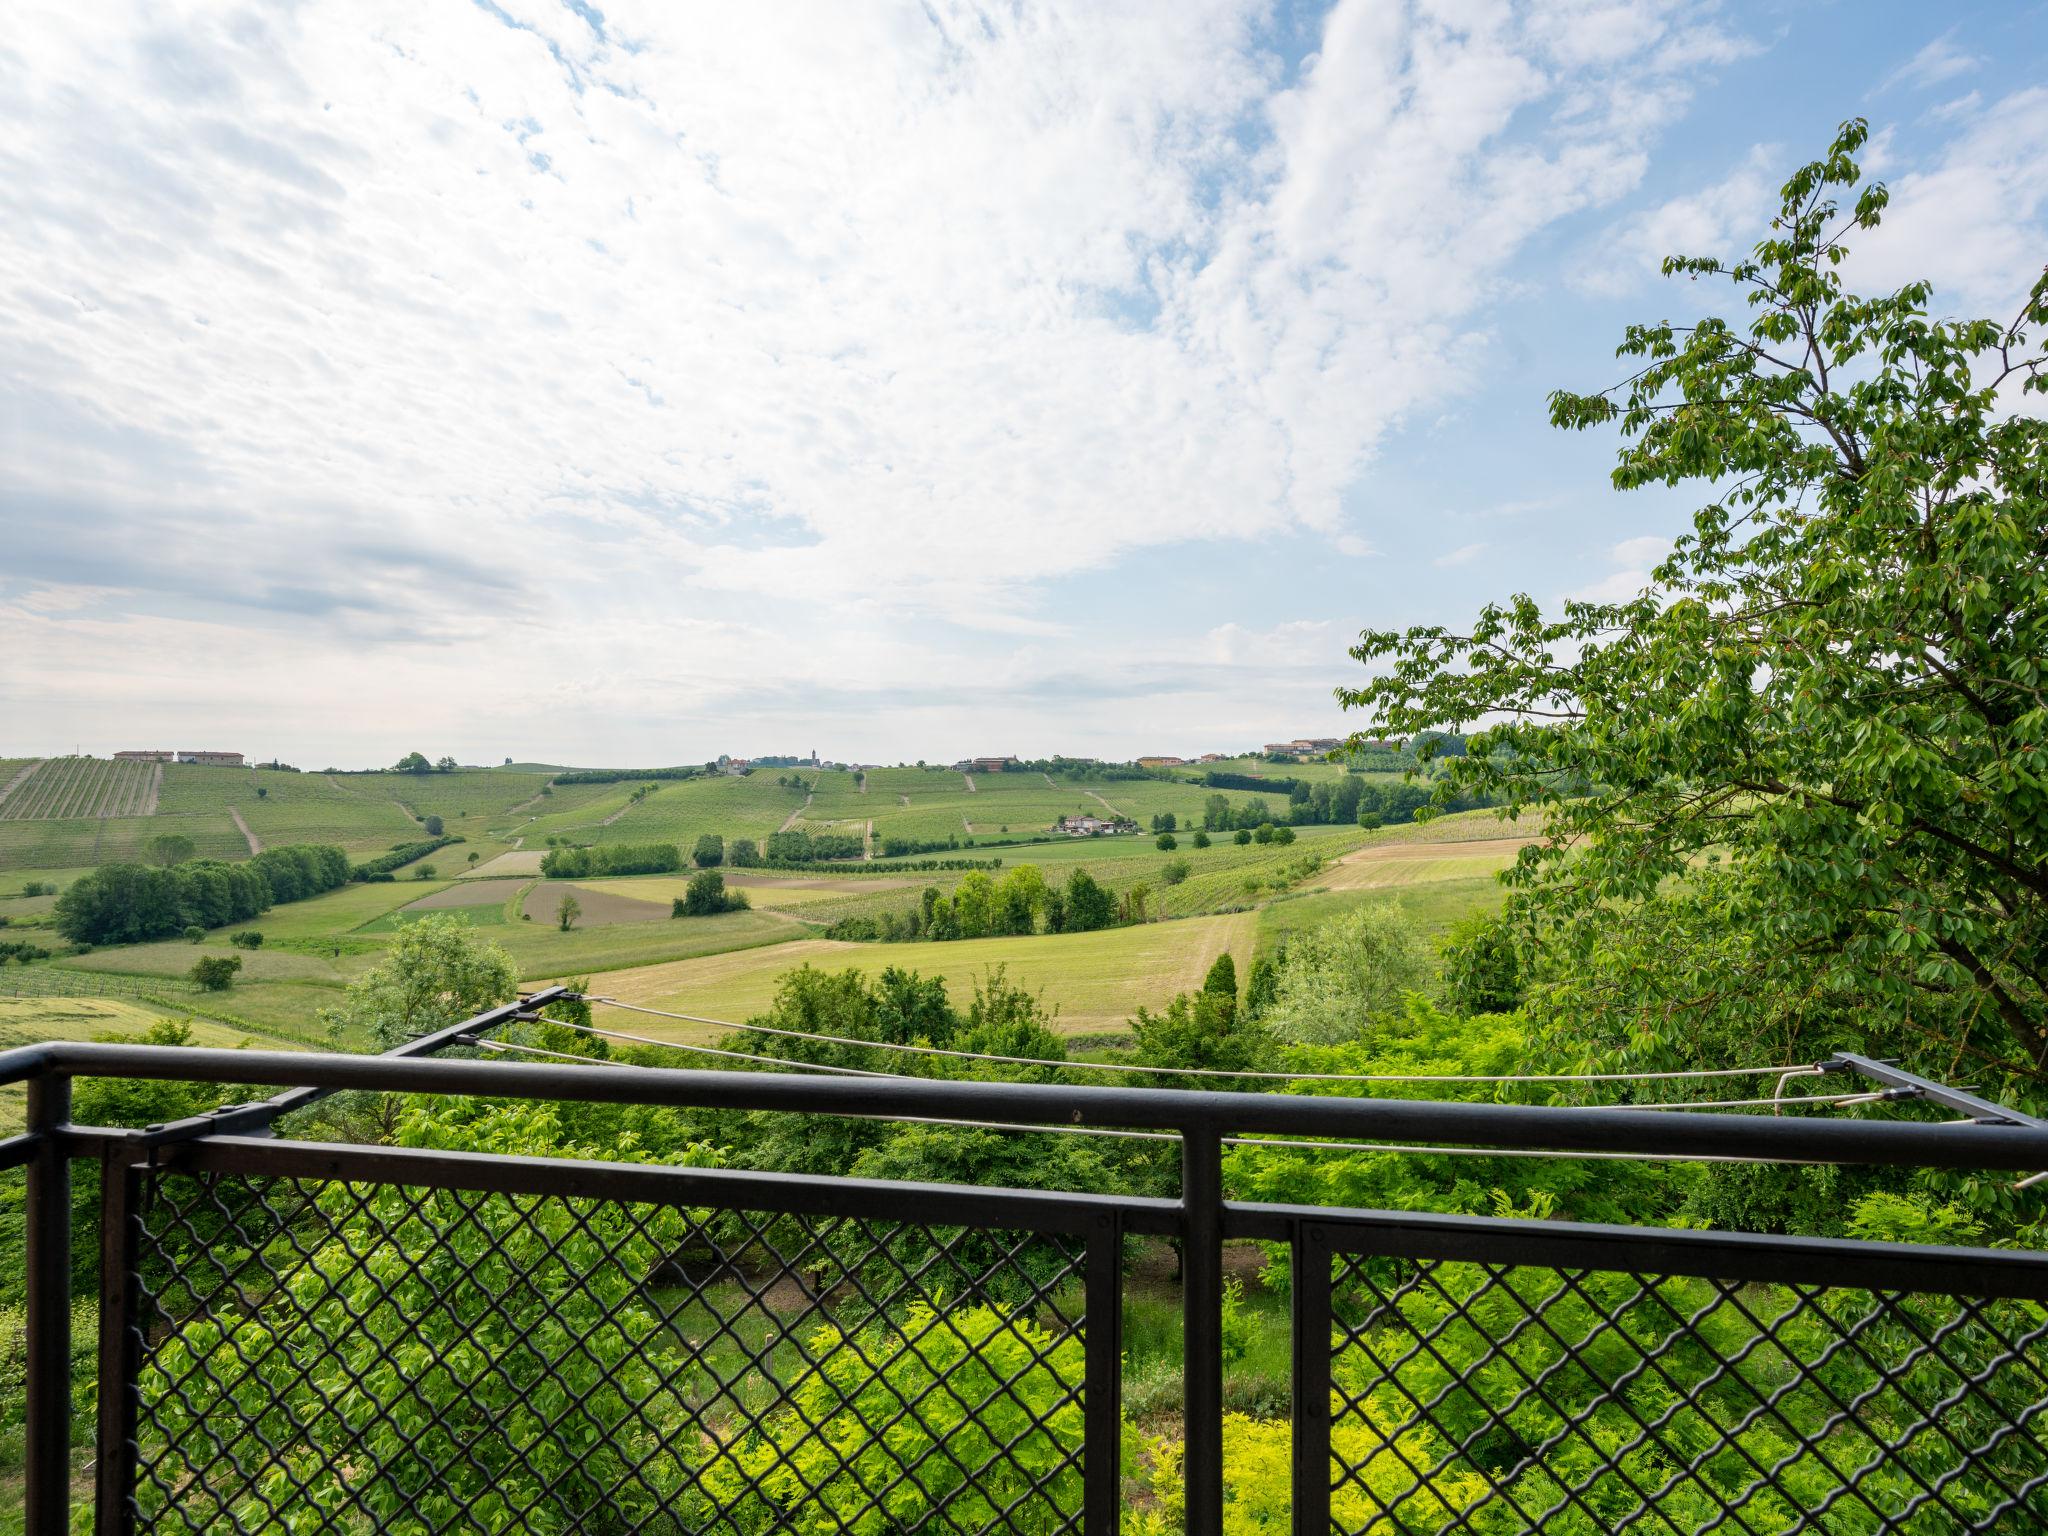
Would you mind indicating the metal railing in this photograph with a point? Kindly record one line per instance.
(314, 1336)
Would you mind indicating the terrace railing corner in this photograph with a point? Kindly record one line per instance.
(296, 1335)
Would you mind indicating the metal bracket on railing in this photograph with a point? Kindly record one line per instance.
(1963, 1102)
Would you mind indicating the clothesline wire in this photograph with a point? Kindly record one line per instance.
(507, 1046)
(1106, 1066)
(1824, 1099)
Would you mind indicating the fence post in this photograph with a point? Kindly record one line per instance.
(1102, 1386)
(1201, 1194)
(120, 1352)
(49, 1311)
(1311, 1277)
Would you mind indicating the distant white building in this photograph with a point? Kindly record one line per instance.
(212, 759)
(1085, 825)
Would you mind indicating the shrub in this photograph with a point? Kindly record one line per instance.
(1165, 842)
(744, 853)
(433, 825)
(1173, 871)
(997, 1394)
(1481, 971)
(707, 896)
(1243, 836)
(1338, 977)
(710, 851)
(424, 872)
(215, 973)
(248, 938)
(1200, 839)
(194, 933)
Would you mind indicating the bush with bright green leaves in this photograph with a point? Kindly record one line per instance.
(994, 1443)
(706, 896)
(215, 973)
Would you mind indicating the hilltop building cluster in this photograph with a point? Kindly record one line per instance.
(204, 759)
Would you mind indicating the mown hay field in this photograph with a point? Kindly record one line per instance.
(1095, 980)
(33, 1020)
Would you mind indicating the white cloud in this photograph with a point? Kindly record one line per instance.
(1940, 61)
(1719, 220)
(380, 323)
(1354, 546)
(1975, 221)
(1645, 550)
(1298, 643)
(1464, 554)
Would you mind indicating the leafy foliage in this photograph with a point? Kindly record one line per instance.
(1346, 976)
(437, 972)
(1810, 760)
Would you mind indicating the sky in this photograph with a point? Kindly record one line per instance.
(636, 382)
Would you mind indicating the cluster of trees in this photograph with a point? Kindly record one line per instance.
(382, 866)
(801, 847)
(566, 863)
(895, 846)
(416, 762)
(129, 903)
(623, 775)
(1021, 902)
(707, 896)
(709, 852)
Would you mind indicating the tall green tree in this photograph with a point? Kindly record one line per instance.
(1799, 784)
(437, 972)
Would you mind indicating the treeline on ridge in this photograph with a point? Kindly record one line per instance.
(401, 854)
(612, 859)
(623, 775)
(129, 903)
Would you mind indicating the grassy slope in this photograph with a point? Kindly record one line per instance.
(29, 1020)
(1094, 979)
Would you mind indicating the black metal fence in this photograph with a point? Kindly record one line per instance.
(301, 1336)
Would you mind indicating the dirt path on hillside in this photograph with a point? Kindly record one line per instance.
(20, 778)
(796, 815)
(903, 800)
(970, 783)
(615, 815)
(868, 843)
(522, 805)
(255, 842)
(408, 813)
(154, 788)
(1102, 802)
(863, 782)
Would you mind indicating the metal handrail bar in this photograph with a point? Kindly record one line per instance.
(1554, 1128)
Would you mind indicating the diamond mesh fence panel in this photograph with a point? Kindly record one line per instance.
(1496, 1399)
(353, 1357)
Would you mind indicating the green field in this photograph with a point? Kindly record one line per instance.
(1095, 980)
(1256, 894)
(33, 1020)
